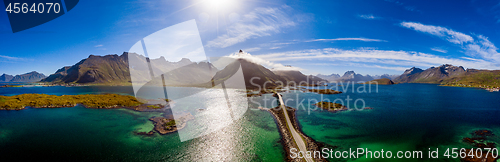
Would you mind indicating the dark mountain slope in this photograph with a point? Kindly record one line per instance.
(298, 77)
(28, 77)
(6, 78)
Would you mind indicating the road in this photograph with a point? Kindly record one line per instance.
(296, 136)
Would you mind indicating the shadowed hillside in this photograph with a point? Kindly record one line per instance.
(28, 77)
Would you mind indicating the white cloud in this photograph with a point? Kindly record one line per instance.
(347, 39)
(258, 23)
(100, 45)
(252, 49)
(481, 47)
(278, 45)
(10, 58)
(281, 45)
(445, 33)
(370, 16)
(383, 59)
(437, 49)
(395, 68)
(264, 62)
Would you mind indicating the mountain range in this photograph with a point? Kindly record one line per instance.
(451, 75)
(330, 78)
(28, 77)
(354, 77)
(445, 75)
(94, 69)
(430, 75)
(114, 69)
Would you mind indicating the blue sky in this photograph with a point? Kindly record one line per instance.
(370, 37)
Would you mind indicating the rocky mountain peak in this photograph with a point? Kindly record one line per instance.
(349, 73)
(449, 69)
(413, 70)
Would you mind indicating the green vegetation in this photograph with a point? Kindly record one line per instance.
(330, 106)
(481, 78)
(324, 91)
(11, 86)
(383, 81)
(154, 106)
(253, 94)
(431, 80)
(170, 123)
(19, 102)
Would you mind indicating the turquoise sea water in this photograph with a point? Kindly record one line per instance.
(405, 117)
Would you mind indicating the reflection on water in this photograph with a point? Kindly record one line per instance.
(211, 111)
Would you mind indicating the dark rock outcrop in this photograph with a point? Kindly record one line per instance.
(478, 140)
(383, 81)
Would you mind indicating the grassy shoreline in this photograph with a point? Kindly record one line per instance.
(106, 101)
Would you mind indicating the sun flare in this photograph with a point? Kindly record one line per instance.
(220, 4)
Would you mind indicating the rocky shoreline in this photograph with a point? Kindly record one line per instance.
(493, 89)
(164, 126)
(331, 107)
(488, 88)
(480, 139)
(324, 91)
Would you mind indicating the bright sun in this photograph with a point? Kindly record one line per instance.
(220, 4)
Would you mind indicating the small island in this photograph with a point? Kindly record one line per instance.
(324, 91)
(383, 81)
(330, 106)
(165, 126)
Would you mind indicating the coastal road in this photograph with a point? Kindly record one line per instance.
(296, 136)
